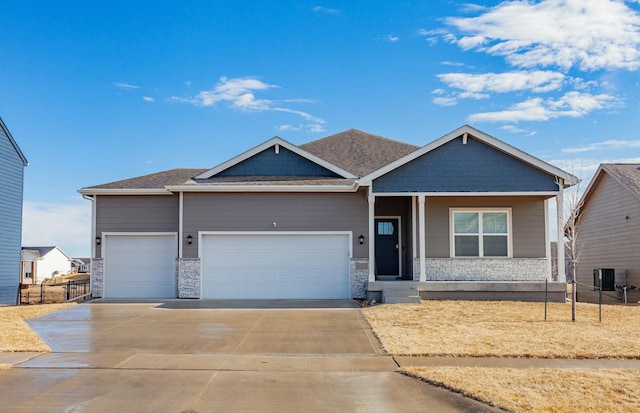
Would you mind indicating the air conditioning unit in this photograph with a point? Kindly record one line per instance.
(608, 279)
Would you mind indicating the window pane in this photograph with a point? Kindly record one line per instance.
(465, 222)
(495, 246)
(385, 228)
(467, 246)
(494, 223)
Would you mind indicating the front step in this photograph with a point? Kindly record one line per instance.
(400, 296)
(413, 299)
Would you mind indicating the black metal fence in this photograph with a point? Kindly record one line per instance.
(57, 293)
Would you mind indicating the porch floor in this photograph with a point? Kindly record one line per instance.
(469, 290)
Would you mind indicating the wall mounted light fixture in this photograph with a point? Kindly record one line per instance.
(361, 238)
(189, 239)
(98, 240)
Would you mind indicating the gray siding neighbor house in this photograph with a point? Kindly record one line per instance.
(352, 215)
(12, 163)
(608, 235)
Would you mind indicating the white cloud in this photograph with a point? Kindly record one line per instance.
(239, 93)
(320, 9)
(55, 224)
(609, 145)
(587, 34)
(148, 99)
(125, 86)
(288, 127)
(391, 38)
(515, 129)
(573, 104)
(535, 81)
(455, 64)
(445, 101)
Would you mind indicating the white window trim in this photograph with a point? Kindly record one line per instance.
(452, 245)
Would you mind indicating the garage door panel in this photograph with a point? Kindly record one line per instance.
(140, 266)
(275, 266)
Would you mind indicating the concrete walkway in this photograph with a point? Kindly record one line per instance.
(211, 357)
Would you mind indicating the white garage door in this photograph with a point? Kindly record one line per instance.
(140, 266)
(270, 266)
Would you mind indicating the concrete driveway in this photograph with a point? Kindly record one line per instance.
(199, 356)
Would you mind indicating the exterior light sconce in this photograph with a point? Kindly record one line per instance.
(189, 239)
(98, 240)
(361, 239)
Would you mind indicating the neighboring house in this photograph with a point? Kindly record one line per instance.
(42, 263)
(12, 163)
(567, 262)
(609, 234)
(350, 215)
(80, 265)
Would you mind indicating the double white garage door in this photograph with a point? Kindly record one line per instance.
(233, 265)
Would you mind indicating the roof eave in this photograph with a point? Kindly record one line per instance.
(14, 143)
(124, 191)
(262, 188)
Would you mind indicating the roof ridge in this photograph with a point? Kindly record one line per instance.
(361, 132)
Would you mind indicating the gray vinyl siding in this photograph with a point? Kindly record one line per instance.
(607, 239)
(290, 212)
(528, 223)
(11, 187)
(474, 167)
(270, 163)
(117, 213)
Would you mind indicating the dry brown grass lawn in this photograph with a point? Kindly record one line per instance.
(541, 390)
(506, 329)
(16, 334)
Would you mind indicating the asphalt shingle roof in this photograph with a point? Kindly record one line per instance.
(627, 173)
(358, 152)
(156, 180)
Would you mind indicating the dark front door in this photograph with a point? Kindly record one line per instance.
(387, 246)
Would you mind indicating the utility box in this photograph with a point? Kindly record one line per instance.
(608, 279)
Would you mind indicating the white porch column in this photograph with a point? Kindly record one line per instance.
(180, 221)
(372, 237)
(414, 228)
(562, 276)
(423, 264)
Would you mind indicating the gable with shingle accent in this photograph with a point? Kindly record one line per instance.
(465, 167)
(277, 161)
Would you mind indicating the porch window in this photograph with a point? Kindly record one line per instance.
(480, 233)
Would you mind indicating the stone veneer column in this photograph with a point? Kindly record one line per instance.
(358, 277)
(189, 278)
(97, 277)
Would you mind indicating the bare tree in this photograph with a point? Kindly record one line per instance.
(572, 209)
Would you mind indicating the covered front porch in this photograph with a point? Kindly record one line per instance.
(414, 249)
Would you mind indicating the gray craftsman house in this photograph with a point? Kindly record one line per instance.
(12, 163)
(608, 236)
(352, 215)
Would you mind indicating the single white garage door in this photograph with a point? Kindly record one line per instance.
(275, 266)
(140, 266)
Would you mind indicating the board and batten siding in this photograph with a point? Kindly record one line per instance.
(136, 213)
(607, 238)
(11, 189)
(470, 167)
(527, 219)
(289, 212)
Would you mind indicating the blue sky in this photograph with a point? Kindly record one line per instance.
(97, 92)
